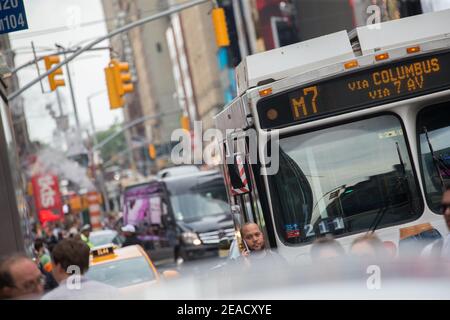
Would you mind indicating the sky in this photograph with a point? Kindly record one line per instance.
(86, 70)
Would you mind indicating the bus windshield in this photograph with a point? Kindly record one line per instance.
(435, 167)
(340, 180)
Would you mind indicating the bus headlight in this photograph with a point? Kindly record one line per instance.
(191, 238)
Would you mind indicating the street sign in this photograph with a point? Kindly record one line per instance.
(12, 16)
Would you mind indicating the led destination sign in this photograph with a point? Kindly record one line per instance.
(358, 90)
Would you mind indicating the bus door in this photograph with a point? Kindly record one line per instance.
(239, 172)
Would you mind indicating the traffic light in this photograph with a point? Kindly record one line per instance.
(220, 27)
(152, 151)
(54, 83)
(185, 124)
(118, 81)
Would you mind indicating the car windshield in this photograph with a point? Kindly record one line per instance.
(436, 121)
(343, 180)
(104, 238)
(122, 273)
(192, 206)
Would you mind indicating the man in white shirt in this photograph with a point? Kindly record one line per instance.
(70, 262)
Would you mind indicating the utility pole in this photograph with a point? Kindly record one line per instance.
(131, 124)
(91, 117)
(126, 53)
(77, 121)
(243, 47)
(63, 124)
(98, 173)
(249, 26)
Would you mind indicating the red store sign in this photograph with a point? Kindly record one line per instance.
(47, 197)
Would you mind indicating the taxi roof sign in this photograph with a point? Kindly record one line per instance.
(103, 251)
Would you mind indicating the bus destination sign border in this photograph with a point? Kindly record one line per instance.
(366, 88)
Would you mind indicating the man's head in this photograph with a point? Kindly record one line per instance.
(253, 236)
(19, 277)
(368, 246)
(445, 205)
(86, 230)
(39, 246)
(326, 248)
(69, 254)
(128, 230)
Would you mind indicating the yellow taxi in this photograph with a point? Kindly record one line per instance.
(129, 269)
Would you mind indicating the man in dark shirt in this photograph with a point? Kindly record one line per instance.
(129, 232)
(255, 248)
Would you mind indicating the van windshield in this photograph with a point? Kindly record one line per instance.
(197, 204)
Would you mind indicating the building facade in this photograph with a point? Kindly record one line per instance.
(15, 216)
(145, 49)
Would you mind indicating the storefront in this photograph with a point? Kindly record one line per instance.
(15, 226)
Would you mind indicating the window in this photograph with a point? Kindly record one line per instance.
(122, 273)
(435, 120)
(197, 204)
(344, 180)
(105, 237)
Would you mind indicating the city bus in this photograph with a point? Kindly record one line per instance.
(360, 124)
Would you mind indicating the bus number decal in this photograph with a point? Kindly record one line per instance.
(323, 227)
(309, 228)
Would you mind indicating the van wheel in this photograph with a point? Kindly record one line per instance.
(183, 254)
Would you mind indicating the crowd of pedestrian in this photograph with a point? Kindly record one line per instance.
(47, 274)
(56, 246)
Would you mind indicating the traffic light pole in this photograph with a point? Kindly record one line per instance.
(91, 116)
(91, 44)
(130, 125)
(100, 175)
(37, 59)
(72, 95)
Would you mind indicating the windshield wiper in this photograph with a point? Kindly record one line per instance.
(380, 214)
(404, 181)
(378, 217)
(436, 160)
(327, 193)
(400, 158)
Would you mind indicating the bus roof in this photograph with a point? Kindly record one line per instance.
(307, 56)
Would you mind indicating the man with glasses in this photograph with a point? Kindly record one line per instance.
(20, 278)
